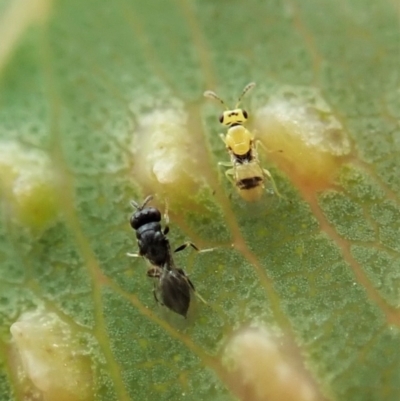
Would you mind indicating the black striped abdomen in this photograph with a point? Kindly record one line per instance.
(249, 183)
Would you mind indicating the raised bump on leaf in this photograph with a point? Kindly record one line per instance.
(304, 136)
(48, 360)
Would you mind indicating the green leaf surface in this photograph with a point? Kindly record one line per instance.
(322, 267)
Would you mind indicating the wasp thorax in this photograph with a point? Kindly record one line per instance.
(141, 217)
(239, 140)
(233, 117)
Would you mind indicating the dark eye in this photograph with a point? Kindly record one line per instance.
(221, 118)
(245, 115)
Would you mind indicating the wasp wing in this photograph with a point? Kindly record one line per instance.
(175, 289)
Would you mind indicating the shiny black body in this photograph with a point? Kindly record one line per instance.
(153, 243)
(172, 287)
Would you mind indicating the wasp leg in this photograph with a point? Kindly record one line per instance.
(229, 174)
(265, 149)
(192, 286)
(225, 164)
(133, 255)
(266, 172)
(154, 272)
(195, 292)
(200, 297)
(166, 216)
(185, 245)
(155, 296)
(188, 243)
(222, 136)
(274, 187)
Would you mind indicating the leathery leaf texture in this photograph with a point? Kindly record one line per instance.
(320, 266)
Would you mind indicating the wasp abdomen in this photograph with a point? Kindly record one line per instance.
(249, 183)
(175, 289)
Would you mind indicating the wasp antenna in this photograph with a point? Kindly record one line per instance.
(134, 204)
(213, 95)
(146, 201)
(246, 89)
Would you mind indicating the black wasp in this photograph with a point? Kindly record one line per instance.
(173, 285)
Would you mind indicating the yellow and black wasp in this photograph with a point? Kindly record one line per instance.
(245, 170)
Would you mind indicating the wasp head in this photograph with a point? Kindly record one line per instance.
(233, 117)
(147, 215)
